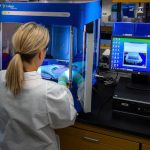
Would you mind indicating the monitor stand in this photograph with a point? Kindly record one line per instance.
(139, 82)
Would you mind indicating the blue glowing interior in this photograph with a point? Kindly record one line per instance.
(58, 54)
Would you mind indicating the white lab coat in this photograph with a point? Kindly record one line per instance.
(27, 121)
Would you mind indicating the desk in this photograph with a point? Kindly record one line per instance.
(100, 130)
(102, 115)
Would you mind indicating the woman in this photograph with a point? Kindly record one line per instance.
(30, 107)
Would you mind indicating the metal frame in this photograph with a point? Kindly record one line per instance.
(0, 46)
(71, 55)
(97, 39)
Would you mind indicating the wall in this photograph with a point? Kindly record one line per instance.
(106, 10)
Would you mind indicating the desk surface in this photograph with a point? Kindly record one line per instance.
(102, 115)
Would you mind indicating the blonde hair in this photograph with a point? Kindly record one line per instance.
(28, 40)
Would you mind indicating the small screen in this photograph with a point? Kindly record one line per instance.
(130, 54)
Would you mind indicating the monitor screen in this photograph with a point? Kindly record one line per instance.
(130, 54)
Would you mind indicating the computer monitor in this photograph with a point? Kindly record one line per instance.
(130, 54)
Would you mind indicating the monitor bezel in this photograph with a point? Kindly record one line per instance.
(126, 71)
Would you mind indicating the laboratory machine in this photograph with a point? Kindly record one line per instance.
(72, 52)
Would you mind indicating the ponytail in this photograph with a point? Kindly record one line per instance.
(15, 75)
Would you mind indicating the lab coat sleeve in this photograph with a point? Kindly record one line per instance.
(60, 107)
(2, 75)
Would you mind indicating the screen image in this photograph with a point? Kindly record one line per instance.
(130, 54)
(135, 54)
